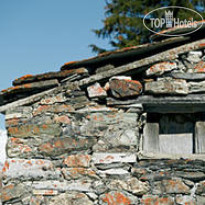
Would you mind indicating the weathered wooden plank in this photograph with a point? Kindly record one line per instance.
(176, 143)
(142, 155)
(164, 104)
(152, 100)
(151, 137)
(175, 108)
(200, 137)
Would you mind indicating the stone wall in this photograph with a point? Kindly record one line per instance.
(81, 146)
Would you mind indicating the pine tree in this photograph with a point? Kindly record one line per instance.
(123, 23)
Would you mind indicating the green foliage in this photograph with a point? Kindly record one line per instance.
(123, 23)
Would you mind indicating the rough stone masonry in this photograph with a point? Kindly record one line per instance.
(122, 128)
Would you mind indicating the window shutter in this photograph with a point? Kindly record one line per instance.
(151, 137)
(176, 143)
(200, 137)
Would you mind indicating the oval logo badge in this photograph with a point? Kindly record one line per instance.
(164, 18)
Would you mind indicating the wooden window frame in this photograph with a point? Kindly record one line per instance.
(149, 145)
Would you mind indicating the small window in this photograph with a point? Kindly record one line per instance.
(174, 133)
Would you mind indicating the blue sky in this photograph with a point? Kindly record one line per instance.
(40, 36)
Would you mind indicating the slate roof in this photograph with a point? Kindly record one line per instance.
(81, 70)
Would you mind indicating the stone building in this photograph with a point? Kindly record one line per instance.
(125, 127)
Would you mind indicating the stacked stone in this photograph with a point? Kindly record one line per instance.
(70, 147)
(182, 76)
(66, 148)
